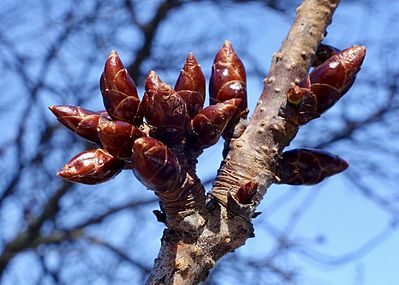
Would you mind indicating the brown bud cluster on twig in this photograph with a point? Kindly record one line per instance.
(333, 75)
(327, 83)
(143, 136)
(156, 137)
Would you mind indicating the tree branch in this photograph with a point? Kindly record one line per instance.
(186, 257)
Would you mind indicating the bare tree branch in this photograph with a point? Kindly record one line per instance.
(186, 258)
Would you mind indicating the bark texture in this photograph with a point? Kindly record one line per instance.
(192, 246)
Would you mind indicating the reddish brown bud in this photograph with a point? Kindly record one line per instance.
(296, 94)
(323, 53)
(209, 124)
(91, 167)
(327, 83)
(228, 79)
(165, 110)
(119, 90)
(191, 85)
(246, 192)
(308, 167)
(104, 113)
(340, 70)
(312, 102)
(118, 137)
(79, 120)
(155, 165)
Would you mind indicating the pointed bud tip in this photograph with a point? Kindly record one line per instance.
(226, 53)
(360, 52)
(354, 56)
(59, 110)
(344, 165)
(112, 53)
(190, 60)
(152, 81)
(152, 75)
(228, 47)
(360, 49)
(227, 44)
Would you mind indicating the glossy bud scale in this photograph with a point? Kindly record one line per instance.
(327, 83)
(209, 124)
(308, 166)
(340, 70)
(246, 192)
(118, 137)
(119, 90)
(165, 110)
(155, 165)
(228, 79)
(190, 85)
(91, 167)
(79, 120)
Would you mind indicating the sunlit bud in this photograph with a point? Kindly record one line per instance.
(165, 110)
(79, 120)
(119, 90)
(209, 124)
(228, 79)
(91, 167)
(155, 165)
(191, 85)
(118, 137)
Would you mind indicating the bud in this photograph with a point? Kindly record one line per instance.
(323, 53)
(308, 166)
(326, 84)
(190, 85)
(246, 192)
(155, 165)
(119, 90)
(209, 124)
(79, 120)
(165, 110)
(118, 137)
(228, 79)
(91, 167)
(340, 70)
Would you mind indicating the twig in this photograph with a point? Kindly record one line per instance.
(186, 258)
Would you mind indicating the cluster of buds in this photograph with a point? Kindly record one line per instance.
(152, 136)
(156, 136)
(333, 75)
